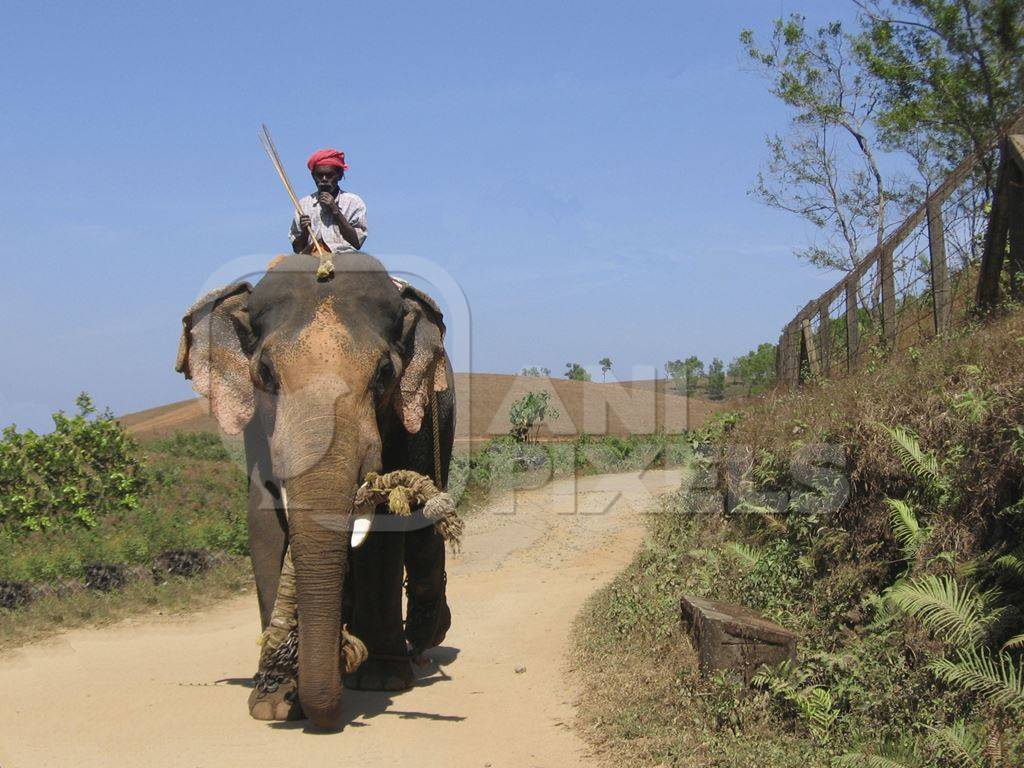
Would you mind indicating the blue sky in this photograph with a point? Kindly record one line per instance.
(579, 169)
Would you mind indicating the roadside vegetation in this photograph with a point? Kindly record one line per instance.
(882, 518)
(95, 526)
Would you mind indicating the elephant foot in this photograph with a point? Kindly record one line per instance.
(382, 673)
(278, 700)
(428, 622)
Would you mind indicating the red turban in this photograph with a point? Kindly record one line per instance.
(327, 157)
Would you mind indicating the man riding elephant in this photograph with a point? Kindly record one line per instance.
(336, 217)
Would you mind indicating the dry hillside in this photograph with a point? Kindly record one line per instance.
(484, 399)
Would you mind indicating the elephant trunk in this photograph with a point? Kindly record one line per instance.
(319, 508)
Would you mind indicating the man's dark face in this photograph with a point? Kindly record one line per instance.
(327, 177)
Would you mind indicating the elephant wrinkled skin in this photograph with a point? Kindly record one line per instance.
(330, 380)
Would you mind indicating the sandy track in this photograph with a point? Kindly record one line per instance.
(171, 691)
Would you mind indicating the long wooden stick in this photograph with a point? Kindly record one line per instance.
(326, 268)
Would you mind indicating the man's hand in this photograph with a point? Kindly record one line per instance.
(304, 223)
(326, 199)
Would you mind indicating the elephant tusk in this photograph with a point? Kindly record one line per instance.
(361, 525)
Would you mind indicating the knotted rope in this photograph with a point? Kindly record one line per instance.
(281, 637)
(404, 489)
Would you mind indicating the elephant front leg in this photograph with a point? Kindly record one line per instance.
(376, 614)
(274, 694)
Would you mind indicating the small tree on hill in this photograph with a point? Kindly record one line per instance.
(685, 373)
(716, 380)
(528, 413)
(540, 372)
(756, 368)
(576, 372)
(606, 365)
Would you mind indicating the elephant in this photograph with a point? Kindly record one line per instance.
(329, 380)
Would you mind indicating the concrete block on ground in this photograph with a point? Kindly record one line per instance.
(731, 636)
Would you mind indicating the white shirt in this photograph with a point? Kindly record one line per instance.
(323, 224)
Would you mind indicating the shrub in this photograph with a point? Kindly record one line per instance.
(86, 468)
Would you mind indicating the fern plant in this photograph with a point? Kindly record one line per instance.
(996, 679)
(814, 704)
(1015, 643)
(957, 615)
(918, 462)
(906, 528)
(889, 756)
(967, 746)
(747, 554)
(1011, 564)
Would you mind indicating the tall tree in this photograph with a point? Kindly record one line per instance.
(576, 372)
(606, 365)
(826, 169)
(685, 373)
(756, 369)
(716, 380)
(951, 71)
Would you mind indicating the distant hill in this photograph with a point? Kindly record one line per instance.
(620, 408)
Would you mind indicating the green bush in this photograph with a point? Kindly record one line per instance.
(70, 478)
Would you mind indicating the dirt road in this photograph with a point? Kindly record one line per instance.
(171, 691)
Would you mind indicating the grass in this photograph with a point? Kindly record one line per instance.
(49, 615)
(866, 680)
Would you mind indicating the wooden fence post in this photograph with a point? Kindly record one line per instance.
(941, 299)
(852, 326)
(812, 350)
(1015, 212)
(824, 339)
(888, 293)
(995, 237)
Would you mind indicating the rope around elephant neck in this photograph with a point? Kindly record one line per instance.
(436, 429)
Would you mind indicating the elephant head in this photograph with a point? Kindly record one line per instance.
(324, 365)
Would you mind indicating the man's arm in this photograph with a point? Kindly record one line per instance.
(300, 234)
(349, 232)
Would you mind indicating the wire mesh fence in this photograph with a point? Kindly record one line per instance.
(923, 279)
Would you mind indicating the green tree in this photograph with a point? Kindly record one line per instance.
(950, 72)
(576, 372)
(528, 413)
(538, 372)
(685, 373)
(606, 365)
(756, 369)
(827, 169)
(716, 380)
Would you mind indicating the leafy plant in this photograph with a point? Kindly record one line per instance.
(996, 679)
(906, 528)
(70, 478)
(894, 756)
(917, 461)
(576, 372)
(961, 743)
(528, 413)
(746, 554)
(957, 614)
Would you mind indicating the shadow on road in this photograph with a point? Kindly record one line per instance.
(358, 706)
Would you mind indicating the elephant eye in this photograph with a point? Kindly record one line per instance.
(264, 375)
(385, 375)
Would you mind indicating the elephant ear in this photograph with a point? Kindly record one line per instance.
(212, 353)
(424, 369)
